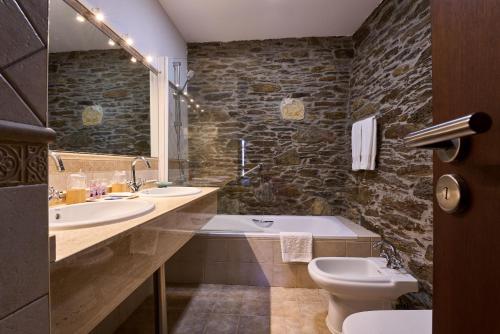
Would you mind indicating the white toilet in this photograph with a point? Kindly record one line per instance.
(389, 322)
(358, 284)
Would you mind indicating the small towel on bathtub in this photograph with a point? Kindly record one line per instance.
(296, 246)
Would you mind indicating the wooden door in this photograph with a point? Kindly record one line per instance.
(466, 79)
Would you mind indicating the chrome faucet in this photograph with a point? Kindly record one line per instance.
(135, 185)
(55, 194)
(57, 160)
(389, 252)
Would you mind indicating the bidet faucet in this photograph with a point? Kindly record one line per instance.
(134, 184)
(389, 252)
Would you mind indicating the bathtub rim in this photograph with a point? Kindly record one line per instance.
(360, 232)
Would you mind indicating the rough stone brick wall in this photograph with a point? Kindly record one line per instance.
(383, 70)
(391, 78)
(106, 78)
(240, 86)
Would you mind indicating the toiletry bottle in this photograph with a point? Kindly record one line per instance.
(101, 188)
(93, 190)
(76, 191)
(119, 183)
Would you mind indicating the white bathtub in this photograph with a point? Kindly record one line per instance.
(330, 227)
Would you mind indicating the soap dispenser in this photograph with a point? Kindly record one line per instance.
(76, 191)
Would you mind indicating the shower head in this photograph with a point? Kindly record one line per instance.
(189, 76)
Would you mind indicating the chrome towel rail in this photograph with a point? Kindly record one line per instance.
(438, 136)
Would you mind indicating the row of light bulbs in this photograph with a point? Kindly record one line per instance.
(190, 101)
(99, 16)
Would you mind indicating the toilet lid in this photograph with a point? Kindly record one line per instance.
(389, 322)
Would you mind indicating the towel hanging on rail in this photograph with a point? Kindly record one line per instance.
(364, 144)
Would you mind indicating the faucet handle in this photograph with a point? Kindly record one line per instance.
(54, 193)
(135, 186)
(389, 252)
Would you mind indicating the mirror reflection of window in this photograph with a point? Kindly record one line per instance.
(99, 98)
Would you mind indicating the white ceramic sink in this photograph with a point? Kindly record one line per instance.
(96, 213)
(170, 192)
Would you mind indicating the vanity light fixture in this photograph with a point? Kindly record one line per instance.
(129, 40)
(111, 42)
(133, 59)
(80, 18)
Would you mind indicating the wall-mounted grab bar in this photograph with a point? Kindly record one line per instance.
(250, 171)
(446, 137)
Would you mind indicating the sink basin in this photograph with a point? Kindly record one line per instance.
(96, 213)
(170, 192)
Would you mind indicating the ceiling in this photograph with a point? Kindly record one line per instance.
(230, 20)
(67, 34)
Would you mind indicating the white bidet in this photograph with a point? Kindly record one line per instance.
(358, 284)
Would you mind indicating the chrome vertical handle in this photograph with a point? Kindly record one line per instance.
(440, 135)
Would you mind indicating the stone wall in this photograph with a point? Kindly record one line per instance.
(391, 78)
(383, 70)
(104, 78)
(240, 85)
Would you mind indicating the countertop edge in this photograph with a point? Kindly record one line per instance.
(53, 234)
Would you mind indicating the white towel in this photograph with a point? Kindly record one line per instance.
(368, 143)
(296, 246)
(374, 144)
(356, 145)
(364, 144)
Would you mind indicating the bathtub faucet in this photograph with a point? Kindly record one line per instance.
(263, 223)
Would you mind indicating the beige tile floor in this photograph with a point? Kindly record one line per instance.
(219, 309)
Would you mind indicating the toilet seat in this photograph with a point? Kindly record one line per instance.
(389, 322)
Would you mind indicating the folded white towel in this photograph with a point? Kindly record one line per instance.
(368, 143)
(356, 145)
(296, 246)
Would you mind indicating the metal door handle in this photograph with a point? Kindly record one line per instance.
(438, 135)
(445, 137)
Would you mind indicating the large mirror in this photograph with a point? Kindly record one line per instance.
(99, 95)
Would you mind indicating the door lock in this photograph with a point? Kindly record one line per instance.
(451, 193)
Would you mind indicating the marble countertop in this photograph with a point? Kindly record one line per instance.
(65, 243)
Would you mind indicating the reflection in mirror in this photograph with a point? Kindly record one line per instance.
(99, 97)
